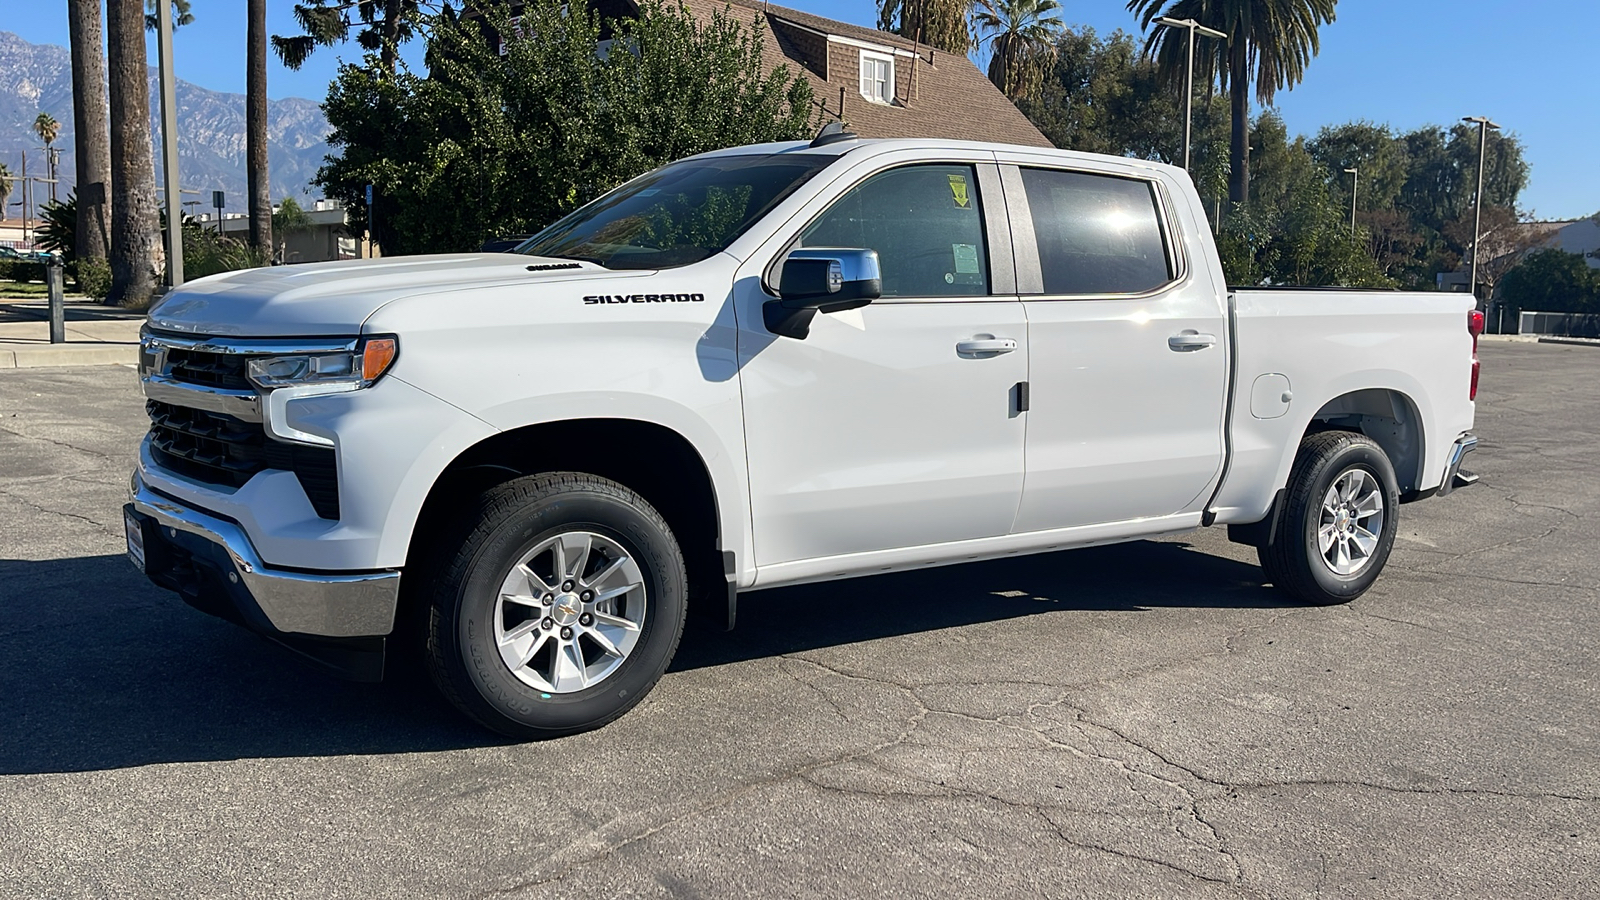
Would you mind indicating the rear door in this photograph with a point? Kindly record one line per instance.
(1128, 361)
(888, 427)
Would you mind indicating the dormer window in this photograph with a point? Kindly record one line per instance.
(877, 77)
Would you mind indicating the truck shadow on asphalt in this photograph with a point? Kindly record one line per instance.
(101, 670)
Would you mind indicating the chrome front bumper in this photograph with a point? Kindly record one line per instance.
(1454, 475)
(274, 601)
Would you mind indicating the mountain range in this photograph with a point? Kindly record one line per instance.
(37, 78)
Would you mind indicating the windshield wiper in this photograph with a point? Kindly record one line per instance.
(588, 259)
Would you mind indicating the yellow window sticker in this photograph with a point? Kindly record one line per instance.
(958, 191)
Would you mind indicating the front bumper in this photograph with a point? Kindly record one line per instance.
(339, 619)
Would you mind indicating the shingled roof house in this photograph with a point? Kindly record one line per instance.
(881, 84)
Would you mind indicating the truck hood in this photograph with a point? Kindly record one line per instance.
(336, 298)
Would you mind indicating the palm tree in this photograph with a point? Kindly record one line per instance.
(1022, 40)
(1275, 38)
(256, 125)
(92, 140)
(324, 23)
(133, 174)
(180, 15)
(942, 24)
(6, 179)
(48, 129)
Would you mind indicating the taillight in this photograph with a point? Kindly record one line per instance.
(1474, 328)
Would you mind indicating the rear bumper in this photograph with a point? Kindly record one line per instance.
(1454, 475)
(338, 619)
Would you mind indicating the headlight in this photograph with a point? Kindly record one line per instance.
(359, 367)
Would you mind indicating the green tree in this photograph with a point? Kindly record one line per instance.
(1295, 230)
(1021, 37)
(288, 219)
(59, 229)
(48, 129)
(1104, 96)
(944, 24)
(489, 145)
(385, 25)
(1552, 280)
(1269, 41)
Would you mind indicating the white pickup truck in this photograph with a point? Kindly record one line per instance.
(766, 366)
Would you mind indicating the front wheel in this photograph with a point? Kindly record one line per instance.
(559, 609)
(1339, 520)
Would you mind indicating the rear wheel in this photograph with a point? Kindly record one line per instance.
(559, 608)
(1338, 522)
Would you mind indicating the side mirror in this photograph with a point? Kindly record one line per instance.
(821, 279)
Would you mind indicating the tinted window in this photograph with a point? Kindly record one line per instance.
(1096, 234)
(925, 224)
(678, 214)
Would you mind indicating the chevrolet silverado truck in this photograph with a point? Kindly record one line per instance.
(764, 366)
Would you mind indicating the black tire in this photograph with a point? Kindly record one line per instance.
(507, 522)
(1292, 559)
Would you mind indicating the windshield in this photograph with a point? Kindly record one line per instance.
(678, 214)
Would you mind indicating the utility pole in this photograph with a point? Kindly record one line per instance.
(1191, 26)
(1484, 125)
(1355, 185)
(169, 144)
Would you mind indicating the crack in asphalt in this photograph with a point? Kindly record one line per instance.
(33, 437)
(56, 512)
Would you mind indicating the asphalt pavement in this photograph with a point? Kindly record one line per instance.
(1144, 720)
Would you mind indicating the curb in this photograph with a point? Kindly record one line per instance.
(69, 355)
(1571, 342)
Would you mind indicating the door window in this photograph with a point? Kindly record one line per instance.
(925, 224)
(1097, 234)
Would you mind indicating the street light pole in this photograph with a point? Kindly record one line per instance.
(1191, 26)
(1355, 186)
(169, 144)
(1484, 125)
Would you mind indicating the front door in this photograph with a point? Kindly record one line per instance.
(894, 425)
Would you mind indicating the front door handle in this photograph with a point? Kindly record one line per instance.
(1186, 341)
(985, 345)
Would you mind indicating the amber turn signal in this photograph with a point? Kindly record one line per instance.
(376, 356)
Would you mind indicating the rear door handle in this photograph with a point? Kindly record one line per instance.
(975, 346)
(1186, 341)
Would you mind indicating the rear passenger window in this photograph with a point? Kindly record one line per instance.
(925, 224)
(1097, 234)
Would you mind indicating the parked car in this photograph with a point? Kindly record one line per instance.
(767, 366)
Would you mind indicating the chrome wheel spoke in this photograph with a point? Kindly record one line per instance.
(611, 568)
(567, 673)
(599, 636)
(613, 593)
(572, 554)
(520, 644)
(1365, 541)
(534, 581)
(1325, 537)
(616, 622)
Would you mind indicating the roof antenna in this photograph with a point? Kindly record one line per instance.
(833, 133)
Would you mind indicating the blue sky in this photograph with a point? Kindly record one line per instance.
(1528, 64)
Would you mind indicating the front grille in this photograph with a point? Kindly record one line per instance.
(217, 449)
(218, 370)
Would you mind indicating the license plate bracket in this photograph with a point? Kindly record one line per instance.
(135, 531)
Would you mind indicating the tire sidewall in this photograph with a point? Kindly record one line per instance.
(1372, 460)
(518, 707)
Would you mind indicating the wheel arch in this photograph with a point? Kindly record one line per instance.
(1389, 417)
(658, 462)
